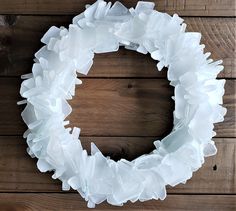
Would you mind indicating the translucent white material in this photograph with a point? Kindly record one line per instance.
(103, 28)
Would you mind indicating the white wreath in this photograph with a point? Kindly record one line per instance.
(99, 29)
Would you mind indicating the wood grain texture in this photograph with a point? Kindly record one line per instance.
(58, 202)
(115, 107)
(19, 173)
(17, 47)
(182, 7)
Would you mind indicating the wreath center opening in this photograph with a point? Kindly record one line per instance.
(123, 105)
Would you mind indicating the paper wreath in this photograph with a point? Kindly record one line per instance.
(103, 28)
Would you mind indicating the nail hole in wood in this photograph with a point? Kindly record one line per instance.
(214, 167)
(130, 86)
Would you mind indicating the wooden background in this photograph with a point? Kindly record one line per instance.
(123, 105)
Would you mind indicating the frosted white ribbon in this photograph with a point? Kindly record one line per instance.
(103, 28)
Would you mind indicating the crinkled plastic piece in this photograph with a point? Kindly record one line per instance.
(104, 28)
(52, 32)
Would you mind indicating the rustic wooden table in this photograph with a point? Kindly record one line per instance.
(122, 106)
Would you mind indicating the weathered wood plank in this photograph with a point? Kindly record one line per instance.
(182, 7)
(20, 39)
(18, 172)
(116, 107)
(36, 201)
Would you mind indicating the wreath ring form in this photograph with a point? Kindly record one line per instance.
(101, 28)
